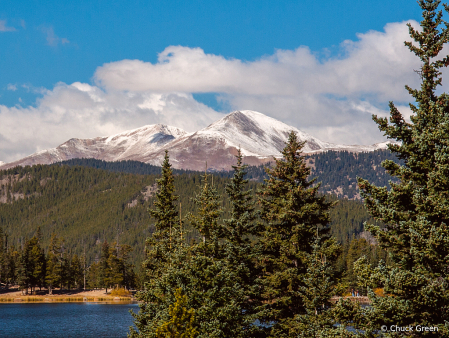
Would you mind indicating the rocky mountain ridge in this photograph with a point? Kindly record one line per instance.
(260, 138)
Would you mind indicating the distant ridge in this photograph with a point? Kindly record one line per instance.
(260, 138)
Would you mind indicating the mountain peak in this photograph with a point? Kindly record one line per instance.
(259, 137)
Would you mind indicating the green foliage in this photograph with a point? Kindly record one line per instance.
(337, 170)
(295, 216)
(211, 289)
(31, 272)
(319, 285)
(53, 275)
(163, 250)
(181, 320)
(241, 253)
(415, 210)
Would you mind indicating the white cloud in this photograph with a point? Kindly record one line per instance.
(84, 111)
(51, 37)
(332, 99)
(378, 63)
(12, 87)
(5, 28)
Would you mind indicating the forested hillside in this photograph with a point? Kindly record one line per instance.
(338, 171)
(87, 206)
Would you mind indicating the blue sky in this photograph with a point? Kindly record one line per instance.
(49, 46)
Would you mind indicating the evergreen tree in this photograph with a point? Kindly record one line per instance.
(76, 272)
(416, 208)
(319, 285)
(105, 266)
(31, 266)
(3, 257)
(241, 253)
(211, 289)
(53, 273)
(162, 262)
(294, 216)
(181, 323)
(161, 244)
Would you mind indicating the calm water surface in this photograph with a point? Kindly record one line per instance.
(66, 320)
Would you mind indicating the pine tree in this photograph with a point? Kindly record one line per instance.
(105, 267)
(241, 253)
(295, 215)
(164, 255)
(416, 208)
(181, 323)
(161, 243)
(3, 257)
(319, 285)
(76, 272)
(211, 289)
(53, 273)
(31, 266)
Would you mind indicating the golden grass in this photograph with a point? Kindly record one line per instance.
(58, 299)
(120, 293)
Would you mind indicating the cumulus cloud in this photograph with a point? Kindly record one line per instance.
(5, 28)
(377, 63)
(51, 37)
(84, 111)
(331, 98)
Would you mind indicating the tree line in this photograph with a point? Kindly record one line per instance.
(33, 266)
(88, 206)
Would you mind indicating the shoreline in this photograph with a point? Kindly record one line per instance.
(14, 296)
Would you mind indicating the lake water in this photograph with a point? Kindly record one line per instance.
(66, 320)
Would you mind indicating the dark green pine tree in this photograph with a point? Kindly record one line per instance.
(54, 268)
(3, 257)
(160, 245)
(416, 209)
(210, 288)
(319, 285)
(164, 259)
(105, 266)
(241, 251)
(32, 266)
(295, 215)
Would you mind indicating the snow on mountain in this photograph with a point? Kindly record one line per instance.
(258, 136)
(129, 145)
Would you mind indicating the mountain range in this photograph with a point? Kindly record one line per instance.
(258, 136)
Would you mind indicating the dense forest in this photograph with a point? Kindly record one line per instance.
(86, 207)
(336, 170)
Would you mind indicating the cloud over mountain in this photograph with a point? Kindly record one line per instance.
(329, 97)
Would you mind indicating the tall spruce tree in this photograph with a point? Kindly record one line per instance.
(164, 260)
(210, 290)
(295, 216)
(3, 257)
(54, 267)
(415, 210)
(242, 249)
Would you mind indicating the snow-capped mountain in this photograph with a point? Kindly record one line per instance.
(258, 136)
(129, 145)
